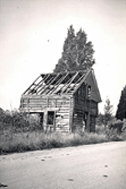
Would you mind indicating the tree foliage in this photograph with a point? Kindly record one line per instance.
(77, 52)
(18, 121)
(121, 110)
(107, 116)
(108, 111)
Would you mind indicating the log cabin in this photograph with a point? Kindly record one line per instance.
(65, 101)
(121, 109)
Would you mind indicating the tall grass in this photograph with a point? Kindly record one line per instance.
(36, 140)
(20, 132)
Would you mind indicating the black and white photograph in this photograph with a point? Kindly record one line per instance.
(63, 94)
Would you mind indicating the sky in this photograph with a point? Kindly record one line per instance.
(32, 34)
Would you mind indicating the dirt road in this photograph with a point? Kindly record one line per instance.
(100, 166)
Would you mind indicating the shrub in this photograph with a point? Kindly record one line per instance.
(19, 121)
(116, 124)
(113, 131)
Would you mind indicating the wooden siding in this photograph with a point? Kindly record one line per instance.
(83, 104)
(57, 104)
(71, 113)
(82, 107)
(91, 81)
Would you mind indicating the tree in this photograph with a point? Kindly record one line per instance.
(108, 112)
(121, 108)
(107, 116)
(77, 52)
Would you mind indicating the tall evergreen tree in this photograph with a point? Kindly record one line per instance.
(121, 109)
(77, 52)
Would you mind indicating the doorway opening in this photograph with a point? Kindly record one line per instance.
(41, 120)
(51, 120)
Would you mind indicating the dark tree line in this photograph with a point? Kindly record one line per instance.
(121, 109)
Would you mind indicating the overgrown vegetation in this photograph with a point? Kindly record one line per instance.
(20, 132)
(18, 122)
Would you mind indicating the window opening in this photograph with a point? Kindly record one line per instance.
(89, 91)
(50, 118)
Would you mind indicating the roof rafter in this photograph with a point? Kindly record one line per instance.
(32, 84)
(46, 86)
(46, 92)
(84, 76)
(46, 79)
(72, 79)
(63, 85)
(37, 86)
(43, 79)
(58, 83)
(76, 83)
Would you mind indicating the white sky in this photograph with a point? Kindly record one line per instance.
(32, 34)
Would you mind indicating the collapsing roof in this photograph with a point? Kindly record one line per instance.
(61, 83)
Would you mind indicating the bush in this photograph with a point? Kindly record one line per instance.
(19, 121)
(124, 135)
(116, 125)
(114, 131)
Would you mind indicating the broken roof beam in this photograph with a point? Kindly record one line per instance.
(72, 79)
(33, 89)
(46, 86)
(31, 85)
(51, 83)
(56, 86)
(60, 89)
(72, 88)
(46, 81)
(81, 80)
(38, 85)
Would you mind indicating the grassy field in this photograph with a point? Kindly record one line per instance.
(37, 140)
(20, 132)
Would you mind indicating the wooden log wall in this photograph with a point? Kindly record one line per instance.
(71, 114)
(60, 105)
(82, 104)
(81, 108)
(78, 121)
(92, 123)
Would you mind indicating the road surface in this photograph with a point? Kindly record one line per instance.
(99, 166)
